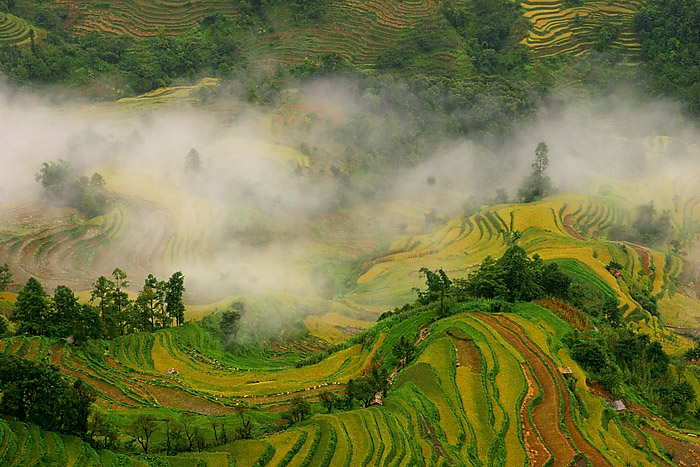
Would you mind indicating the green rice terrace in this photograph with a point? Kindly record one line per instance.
(310, 233)
(482, 388)
(16, 31)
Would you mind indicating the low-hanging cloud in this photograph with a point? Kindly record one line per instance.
(246, 220)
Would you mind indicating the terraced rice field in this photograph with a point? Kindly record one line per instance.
(354, 29)
(47, 245)
(486, 389)
(144, 17)
(556, 29)
(15, 30)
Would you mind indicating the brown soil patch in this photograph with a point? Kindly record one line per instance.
(111, 392)
(468, 354)
(643, 254)
(569, 227)
(536, 450)
(642, 441)
(684, 452)
(175, 398)
(598, 390)
(553, 389)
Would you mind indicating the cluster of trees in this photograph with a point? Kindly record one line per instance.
(110, 312)
(183, 434)
(492, 32)
(511, 278)
(537, 185)
(621, 355)
(226, 324)
(361, 390)
(134, 66)
(35, 393)
(649, 227)
(64, 185)
(5, 277)
(671, 46)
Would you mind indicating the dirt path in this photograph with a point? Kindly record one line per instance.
(643, 254)
(553, 390)
(536, 450)
(569, 227)
(684, 452)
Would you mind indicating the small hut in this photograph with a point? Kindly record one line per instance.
(617, 405)
(565, 371)
(172, 371)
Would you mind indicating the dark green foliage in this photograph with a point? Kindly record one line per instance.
(621, 358)
(306, 10)
(38, 394)
(299, 410)
(649, 228)
(693, 354)
(174, 289)
(329, 400)
(32, 309)
(63, 185)
(5, 329)
(142, 429)
(537, 185)
(66, 309)
(5, 277)
(150, 305)
(62, 316)
(364, 388)
(606, 35)
(588, 353)
(491, 32)
(438, 287)
(670, 40)
(404, 350)
(229, 323)
(139, 66)
(514, 277)
(611, 312)
(648, 303)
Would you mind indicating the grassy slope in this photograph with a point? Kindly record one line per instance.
(463, 398)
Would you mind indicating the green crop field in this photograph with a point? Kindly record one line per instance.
(16, 31)
(306, 228)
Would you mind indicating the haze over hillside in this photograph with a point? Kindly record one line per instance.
(332, 232)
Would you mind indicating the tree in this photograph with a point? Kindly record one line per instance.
(174, 307)
(611, 311)
(329, 400)
(517, 275)
(142, 430)
(103, 292)
(120, 300)
(67, 311)
(36, 393)
(187, 424)
(537, 185)
(299, 410)
(193, 161)
(101, 432)
(404, 350)
(438, 286)
(245, 431)
(230, 321)
(32, 309)
(5, 277)
(173, 436)
(150, 304)
(364, 388)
